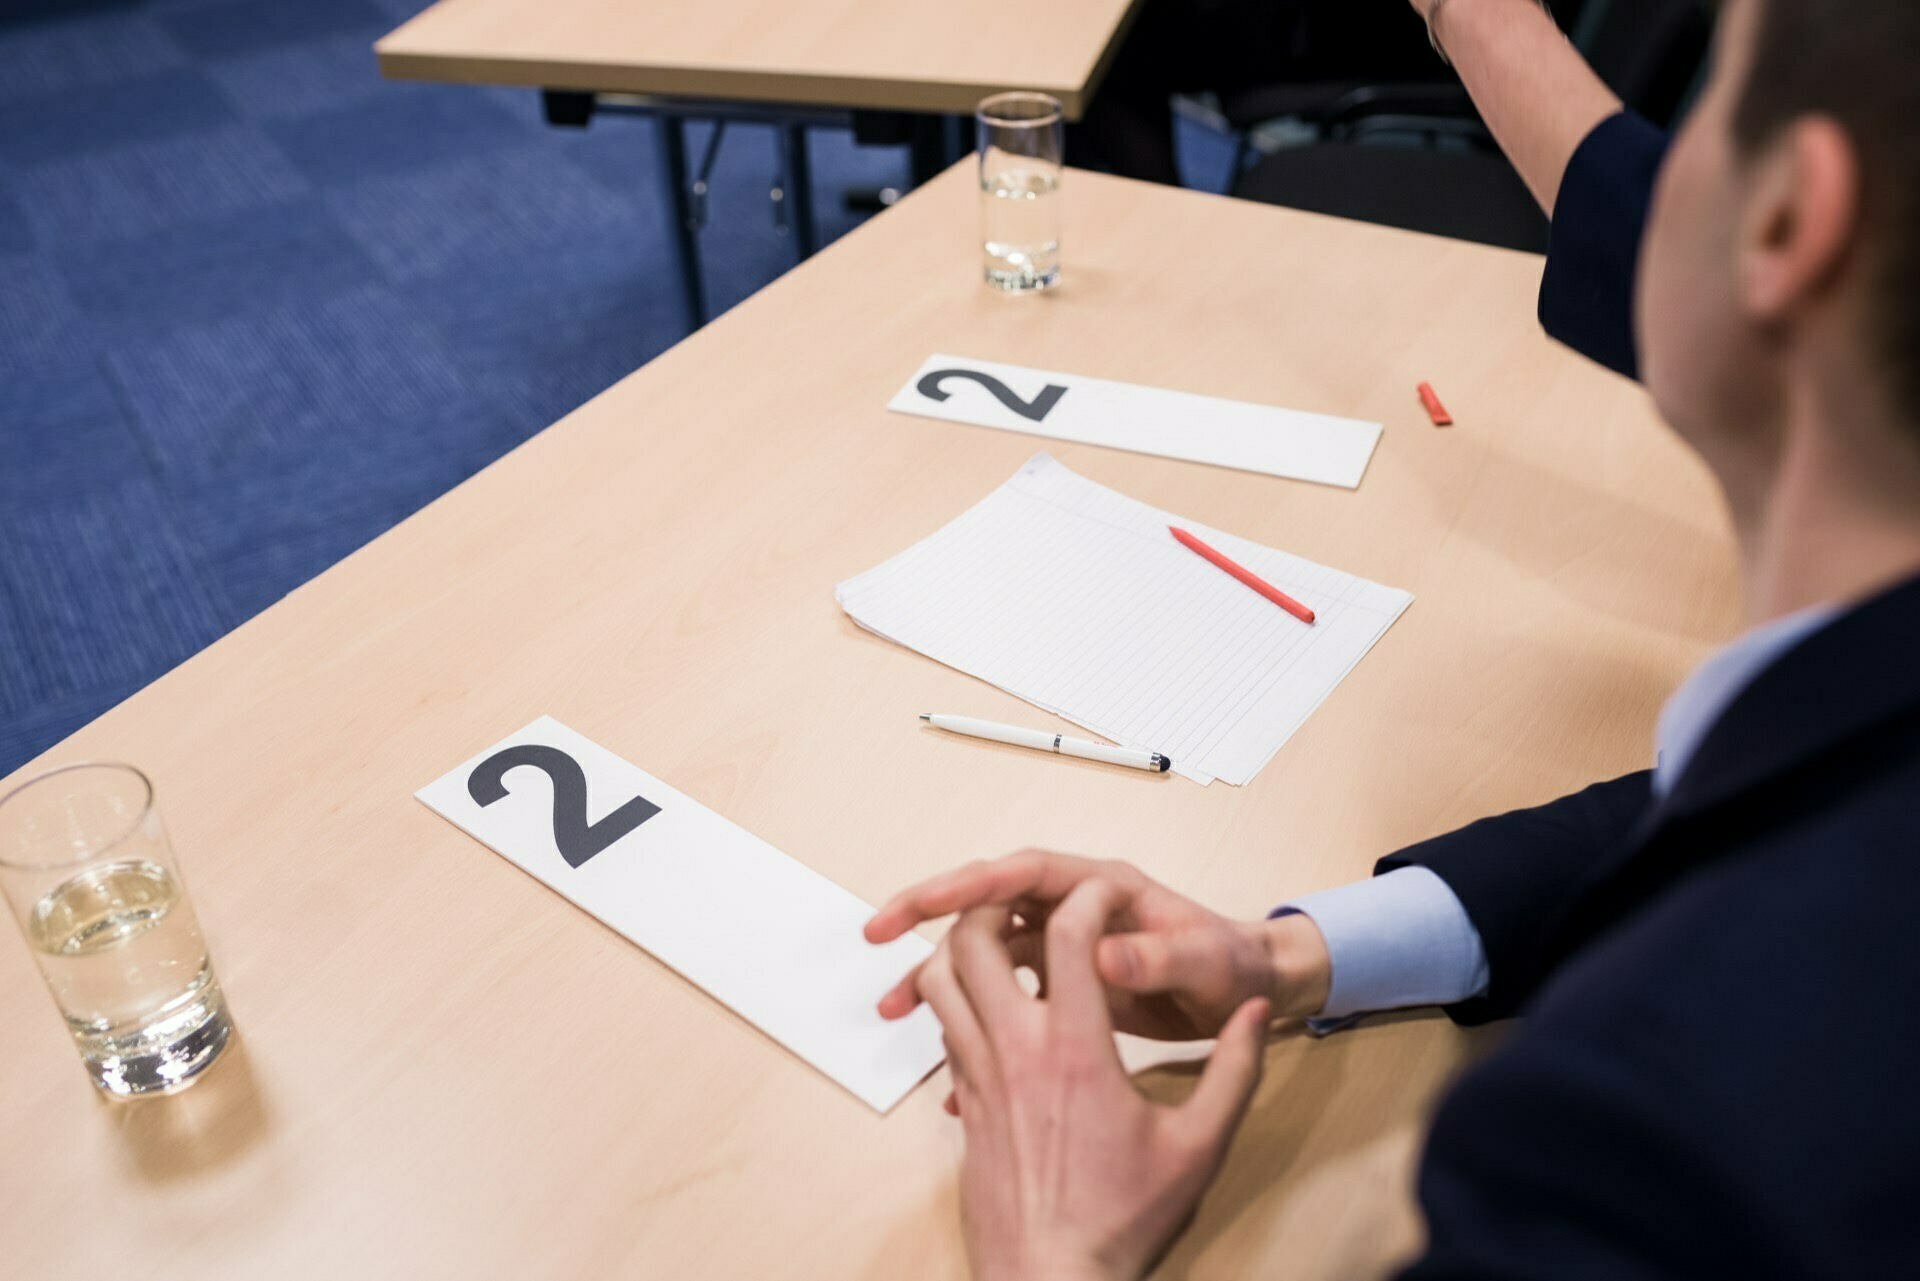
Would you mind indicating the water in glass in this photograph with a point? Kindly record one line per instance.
(1020, 228)
(122, 952)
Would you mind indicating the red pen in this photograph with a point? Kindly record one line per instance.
(1244, 574)
(1435, 410)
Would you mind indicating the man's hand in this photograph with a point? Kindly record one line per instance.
(1175, 971)
(1070, 1172)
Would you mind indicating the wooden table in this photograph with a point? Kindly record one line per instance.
(765, 61)
(899, 55)
(444, 1070)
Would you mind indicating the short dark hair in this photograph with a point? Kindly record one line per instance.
(1854, 60)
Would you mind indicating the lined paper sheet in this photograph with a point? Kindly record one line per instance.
(1077, 599)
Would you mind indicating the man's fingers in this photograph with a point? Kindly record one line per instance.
(1037, 874)
(903, 998)
(1029, 951)
(969, 1055)
(1023, 945)
(956, 1076)
(984, 965)
(1188, 961)
(1231, 1075)
(1073, 987)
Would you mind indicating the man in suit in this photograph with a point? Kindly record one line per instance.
(1715, 957)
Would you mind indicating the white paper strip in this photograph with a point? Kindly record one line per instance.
(1145, 420)
(769, 937)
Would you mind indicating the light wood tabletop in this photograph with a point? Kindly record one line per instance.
(445, 1070)
(901, 55)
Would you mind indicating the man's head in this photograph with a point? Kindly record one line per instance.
(1783, 252)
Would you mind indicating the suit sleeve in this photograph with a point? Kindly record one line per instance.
(1593, 249)
(1516, 873)
(1565, 1160)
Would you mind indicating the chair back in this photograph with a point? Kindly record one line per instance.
(1647, 51)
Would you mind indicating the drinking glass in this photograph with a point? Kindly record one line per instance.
(1021, 137)
(90, 874)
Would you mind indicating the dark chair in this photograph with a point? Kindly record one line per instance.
(1417, 156)
(1317, 104)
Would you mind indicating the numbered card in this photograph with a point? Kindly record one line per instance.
(769, 937)
(1145, 420)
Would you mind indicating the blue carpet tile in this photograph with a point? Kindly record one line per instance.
(117, 113)
(87, 48)
(236, 27)
(394, 133)
(124, 191)
(211, 270)
(39, 322)
(15, 234)
(258, 304)
(101, 588)
(62, 431)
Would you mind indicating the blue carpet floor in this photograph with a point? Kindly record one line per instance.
(258, 304)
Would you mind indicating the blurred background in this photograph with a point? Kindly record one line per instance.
(258, 304)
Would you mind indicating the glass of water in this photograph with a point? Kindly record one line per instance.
(89, 872)
(1022, 137)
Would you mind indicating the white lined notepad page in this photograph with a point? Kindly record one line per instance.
(1077, 599)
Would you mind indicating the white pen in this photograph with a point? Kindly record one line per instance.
(1041, 740)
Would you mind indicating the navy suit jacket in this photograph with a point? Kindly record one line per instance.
(1722, 987)
(1593, 247)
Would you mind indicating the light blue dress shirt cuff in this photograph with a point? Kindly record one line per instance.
(1394, 941)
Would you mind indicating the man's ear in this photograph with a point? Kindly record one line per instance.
(1802, 216)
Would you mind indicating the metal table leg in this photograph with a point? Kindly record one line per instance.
(672, 136)
(927, 154)
(798, 179)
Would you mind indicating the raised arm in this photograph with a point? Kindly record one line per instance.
(1532, 87)
(1590, 164)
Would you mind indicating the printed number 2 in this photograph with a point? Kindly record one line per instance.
(578, 839)
(1032, 410)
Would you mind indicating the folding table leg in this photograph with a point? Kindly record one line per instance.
(798, 177)
(672, 135)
